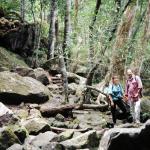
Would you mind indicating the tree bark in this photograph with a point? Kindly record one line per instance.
(64, 129)
(76, 7)
(65, 109)
(64, 75)
(87, 92)
(37, 38)
(22, 9)
(91, 32)
(52, 36)
(119, 49)
(139, 58)
(67, 31)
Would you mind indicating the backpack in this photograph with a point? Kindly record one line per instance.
(141, 90)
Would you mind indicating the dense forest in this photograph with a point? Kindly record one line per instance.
(59, 61)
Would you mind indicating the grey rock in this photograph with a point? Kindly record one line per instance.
(36, 125)
(86, 140)
(127, 138)
(16, 89)
(60, 117)
(65, 135)
(43, 139)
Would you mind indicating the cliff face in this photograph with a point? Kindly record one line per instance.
(17, 36)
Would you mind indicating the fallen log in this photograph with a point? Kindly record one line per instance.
(56, 129)
(67, 109)
(63, 109)
(94, 106)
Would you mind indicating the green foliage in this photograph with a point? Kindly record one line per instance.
(10, 5)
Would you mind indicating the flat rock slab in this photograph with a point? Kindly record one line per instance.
(16, 89)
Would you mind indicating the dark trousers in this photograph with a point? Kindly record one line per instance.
(122, 107)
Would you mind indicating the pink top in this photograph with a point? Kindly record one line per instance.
(132, 87)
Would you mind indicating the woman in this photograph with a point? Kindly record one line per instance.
(115, 97)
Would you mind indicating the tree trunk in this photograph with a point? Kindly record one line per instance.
(32, 11)
(139, 58)
(22, 9)
(119, 49)
(38, 38)
(57, 52)
(67, 31)
(52, 37)
(76, 5)
(64, 75)
(91, 30)
(87, 92)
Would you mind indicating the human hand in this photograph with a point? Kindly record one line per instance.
(136, 95)
(125, 98)
(112, 104)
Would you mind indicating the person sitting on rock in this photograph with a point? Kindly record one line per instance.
(116, 98)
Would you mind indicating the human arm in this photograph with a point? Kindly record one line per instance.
(110, 93)
(126, 89)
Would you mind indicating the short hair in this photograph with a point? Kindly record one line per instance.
(115, 76)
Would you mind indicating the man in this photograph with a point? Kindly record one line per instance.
(133, 94)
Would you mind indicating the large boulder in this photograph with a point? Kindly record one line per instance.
(86, 140)
(36, 125)
(127, 138)
(38, 74)
(16, 89)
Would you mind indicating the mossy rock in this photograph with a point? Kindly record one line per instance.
(9, 59)
(20, 131)
(7, 138)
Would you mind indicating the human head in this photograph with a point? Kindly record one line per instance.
(115, 79)
(129, 73)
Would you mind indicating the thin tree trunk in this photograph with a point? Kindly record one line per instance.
(57, 37)
(64, 75)
(91, 30)
(67, 31)
(32, 11)
(22, 9)
(52, 37)
(76, 5)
